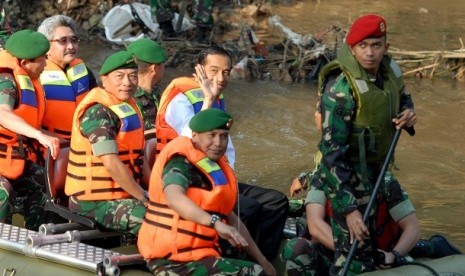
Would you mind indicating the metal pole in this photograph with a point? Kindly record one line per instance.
(380, 179)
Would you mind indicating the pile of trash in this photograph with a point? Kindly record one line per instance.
(294, 58)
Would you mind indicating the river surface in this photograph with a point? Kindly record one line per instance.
(275, 137)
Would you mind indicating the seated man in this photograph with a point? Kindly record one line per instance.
(316, 246)
(150, 64)
(66, 78)
(192, 191)
(105, 158)
(22, 106)
(388, 237)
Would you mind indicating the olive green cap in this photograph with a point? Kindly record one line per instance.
(210, 119)
(27, 44)
(148, 51)
(118, 60)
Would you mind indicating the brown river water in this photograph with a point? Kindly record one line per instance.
(275, 137)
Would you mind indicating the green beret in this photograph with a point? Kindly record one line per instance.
(27, 44)
(118, 60)
(148, 51)
(210, 119)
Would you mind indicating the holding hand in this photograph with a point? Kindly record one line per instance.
(357, 227)
(230, 234)
(406, 119)
(296, 187)
(49, 142)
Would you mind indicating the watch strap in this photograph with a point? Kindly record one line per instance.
(214, 219)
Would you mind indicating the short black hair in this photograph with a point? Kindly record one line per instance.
(213, 50)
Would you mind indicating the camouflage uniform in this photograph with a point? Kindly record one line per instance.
(101, 125)
(343, 179)
(302, 256)
(179, 171)
(5, 30)
(148, 106)
(202, 10)
(30, 186)
(205, 266)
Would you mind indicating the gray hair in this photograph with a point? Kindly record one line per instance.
(48, 26)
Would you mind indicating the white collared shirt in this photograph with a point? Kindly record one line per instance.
(178, 114)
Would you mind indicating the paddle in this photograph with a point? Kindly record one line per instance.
(373, 194)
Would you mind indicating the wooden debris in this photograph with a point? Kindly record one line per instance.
(431, 63)
(298, 57)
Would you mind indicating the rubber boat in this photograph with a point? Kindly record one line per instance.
(68, 248)
(47, 252)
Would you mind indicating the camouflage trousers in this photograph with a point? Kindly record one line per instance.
(202, 10)
(362, 260)
(205, 266)
(123, 215)
(302, 257)
(30, 188)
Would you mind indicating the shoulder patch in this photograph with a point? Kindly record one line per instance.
(395, 68)
(362, 86)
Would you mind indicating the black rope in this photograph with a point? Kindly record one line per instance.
(422, 265)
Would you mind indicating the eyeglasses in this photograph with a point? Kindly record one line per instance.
(66, 39)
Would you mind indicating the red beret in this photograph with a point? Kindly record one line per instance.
(367, 26)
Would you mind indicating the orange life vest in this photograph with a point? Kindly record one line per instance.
(191, 89)
(63, 92)
(87, 178)
(31, 104)
(387, 231)
(164, 234)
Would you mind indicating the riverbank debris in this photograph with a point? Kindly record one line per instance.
(245, 28)
(432, 64)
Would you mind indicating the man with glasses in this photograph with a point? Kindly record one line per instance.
(66, 79)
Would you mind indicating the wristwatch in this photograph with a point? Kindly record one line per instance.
(302, 180)
(214, 219)
(398, 259)
(145, 200)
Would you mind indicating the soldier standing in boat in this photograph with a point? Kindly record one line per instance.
(363, 101)
(22, 107)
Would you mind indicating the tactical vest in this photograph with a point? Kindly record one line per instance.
(87, 178)
(191, 90)
(164, 234)
(31, 104)
(63, 92)
(373, 129)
